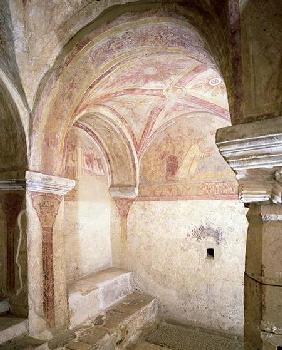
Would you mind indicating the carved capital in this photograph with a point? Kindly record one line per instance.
(254, 152)
(123, 206)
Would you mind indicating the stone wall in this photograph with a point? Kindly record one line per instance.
(87, 208)
(87, 228)
(167, 244)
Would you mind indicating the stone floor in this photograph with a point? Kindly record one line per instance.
(168, 336)
(24, 343)
(131, 320)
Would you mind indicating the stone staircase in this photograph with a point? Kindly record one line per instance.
(119, 326)
(90, 295)
(106, 313)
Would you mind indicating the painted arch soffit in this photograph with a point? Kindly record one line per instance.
(119, 154)
(145, 95)
(69, 83)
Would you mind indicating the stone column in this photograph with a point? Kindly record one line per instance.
(254, 152)
(48, 308)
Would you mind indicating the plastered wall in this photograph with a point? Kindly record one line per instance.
(87, 225)
(87, 212)
(167, 245)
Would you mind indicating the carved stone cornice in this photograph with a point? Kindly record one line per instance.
(37, 182)
(254, 152)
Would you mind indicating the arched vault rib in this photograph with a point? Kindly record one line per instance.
(118, 148)
(55, 110)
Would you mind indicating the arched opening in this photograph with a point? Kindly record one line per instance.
(13, 238)
(87, 207)
(99, 158)
(146, 88)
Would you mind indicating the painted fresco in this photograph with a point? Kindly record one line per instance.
(183, 161)
(82, 156)
(169, 107)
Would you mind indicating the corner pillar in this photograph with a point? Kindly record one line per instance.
(254, 152)
(46, 270)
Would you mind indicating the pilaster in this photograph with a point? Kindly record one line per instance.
(123, 206)
(254, 152)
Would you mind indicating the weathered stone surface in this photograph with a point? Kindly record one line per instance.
(91, 295)
(271, 341)
(191, 338)
(12, 327)
(254, 152)
(263, 288)
(24, 343)
(264, 244)
(253, 314)
(4, 306)
(148, 346)
(167, 244)
(123, 323)
(149, 82)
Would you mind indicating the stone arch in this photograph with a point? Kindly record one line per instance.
(115, 143)
(14, 136)
(13, 165)
(99, 49)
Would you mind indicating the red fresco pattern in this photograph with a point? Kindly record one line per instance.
(47, 206)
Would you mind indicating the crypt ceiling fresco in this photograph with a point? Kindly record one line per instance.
(130, 85)
(171, 106)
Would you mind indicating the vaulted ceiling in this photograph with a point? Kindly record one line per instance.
(148, 93)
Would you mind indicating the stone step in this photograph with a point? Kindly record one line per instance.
(24, 343)
(11, 327)
(121, 325)
(178, 337)
(4, 306)
(90, 295)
